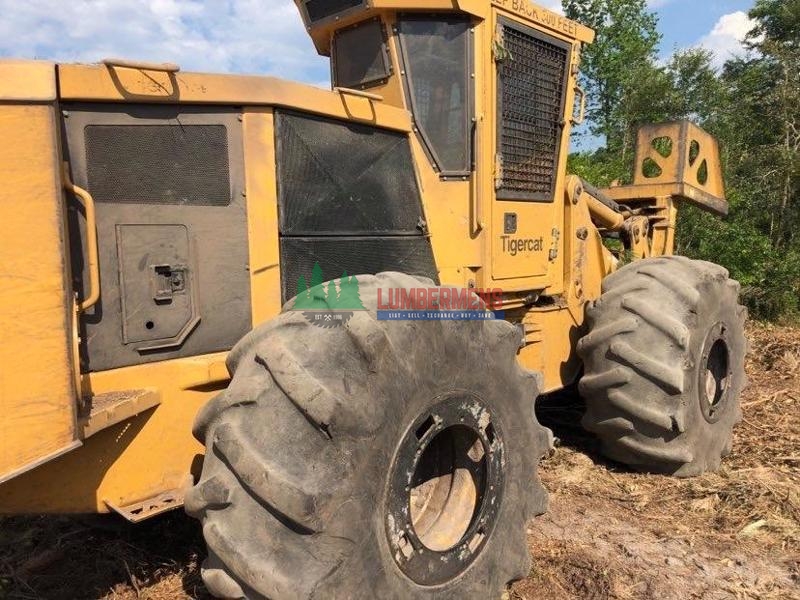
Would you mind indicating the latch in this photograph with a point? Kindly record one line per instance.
(168, 280)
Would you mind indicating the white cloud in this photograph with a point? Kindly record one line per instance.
(554, 5)
(256, 36)
(726, 38)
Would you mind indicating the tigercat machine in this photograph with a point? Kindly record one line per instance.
(158, 224)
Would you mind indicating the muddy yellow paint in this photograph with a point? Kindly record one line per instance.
(262, 210)
(37, 395)
(153, 452)
(28, 80)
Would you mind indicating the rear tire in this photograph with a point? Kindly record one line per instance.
(664, 365)
(373, 460)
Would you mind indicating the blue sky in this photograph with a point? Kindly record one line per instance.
(263, 36)
(687, 23)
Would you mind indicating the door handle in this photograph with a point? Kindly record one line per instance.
(580, 92)
(91, 239)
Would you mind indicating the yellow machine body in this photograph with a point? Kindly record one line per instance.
(80, 440)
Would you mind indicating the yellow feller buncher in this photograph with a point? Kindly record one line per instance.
(371, 437)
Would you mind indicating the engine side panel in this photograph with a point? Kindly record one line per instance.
(168, 185)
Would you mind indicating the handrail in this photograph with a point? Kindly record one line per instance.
(358, 93)
(143, 65)
(91, 240)
(579, 91)
(476, 210)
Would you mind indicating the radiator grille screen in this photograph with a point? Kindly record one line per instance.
(532, 82)
(355, 256)
(344, 178)
(348, 199)
(322, 9)
(158, 164)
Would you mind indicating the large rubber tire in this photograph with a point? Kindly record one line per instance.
(303, 448)
(664, 365)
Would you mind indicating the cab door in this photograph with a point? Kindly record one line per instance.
(532, 75)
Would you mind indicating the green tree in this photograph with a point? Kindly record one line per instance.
(756, 119)
(695, 90)
(317, 278)
(777, 38)
(753, 107)
(619, 72)
(333, 295)
(349, 297)
(303, 298)
(314, 297)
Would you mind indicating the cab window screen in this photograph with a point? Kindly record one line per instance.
(360, 57)
(319, 10)
(436, 53)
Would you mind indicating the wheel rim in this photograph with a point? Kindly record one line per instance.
(445, 490)
(715, 374)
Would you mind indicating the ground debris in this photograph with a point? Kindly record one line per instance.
(610, 533)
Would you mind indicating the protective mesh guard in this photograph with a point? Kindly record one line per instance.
(343, 178)
(158, 164)
(354, 255)
(360, 56)
(532, 78)
(322, 9)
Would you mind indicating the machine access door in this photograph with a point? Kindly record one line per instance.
(531, 85)
(168, 187)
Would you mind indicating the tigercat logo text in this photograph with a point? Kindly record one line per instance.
(514, 246)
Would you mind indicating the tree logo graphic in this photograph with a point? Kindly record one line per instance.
(327, 305)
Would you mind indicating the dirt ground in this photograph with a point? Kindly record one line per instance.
(610, 533)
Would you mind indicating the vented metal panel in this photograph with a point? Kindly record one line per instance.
(354, 255)
(360, 56)
(322, 9)
(533, 77)
(343, 178)
(153, 164)
(171, 230)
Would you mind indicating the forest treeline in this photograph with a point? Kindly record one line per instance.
(751, 104)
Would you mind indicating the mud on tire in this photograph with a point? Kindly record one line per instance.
(664, 365)
(373, 460)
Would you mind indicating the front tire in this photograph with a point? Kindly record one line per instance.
(373, 460)
(664, 365)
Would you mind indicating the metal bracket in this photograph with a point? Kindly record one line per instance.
(139, 511)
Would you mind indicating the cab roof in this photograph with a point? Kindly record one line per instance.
(323, 17)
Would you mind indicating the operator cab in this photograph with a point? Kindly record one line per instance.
(490, 85)
(423, 56)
